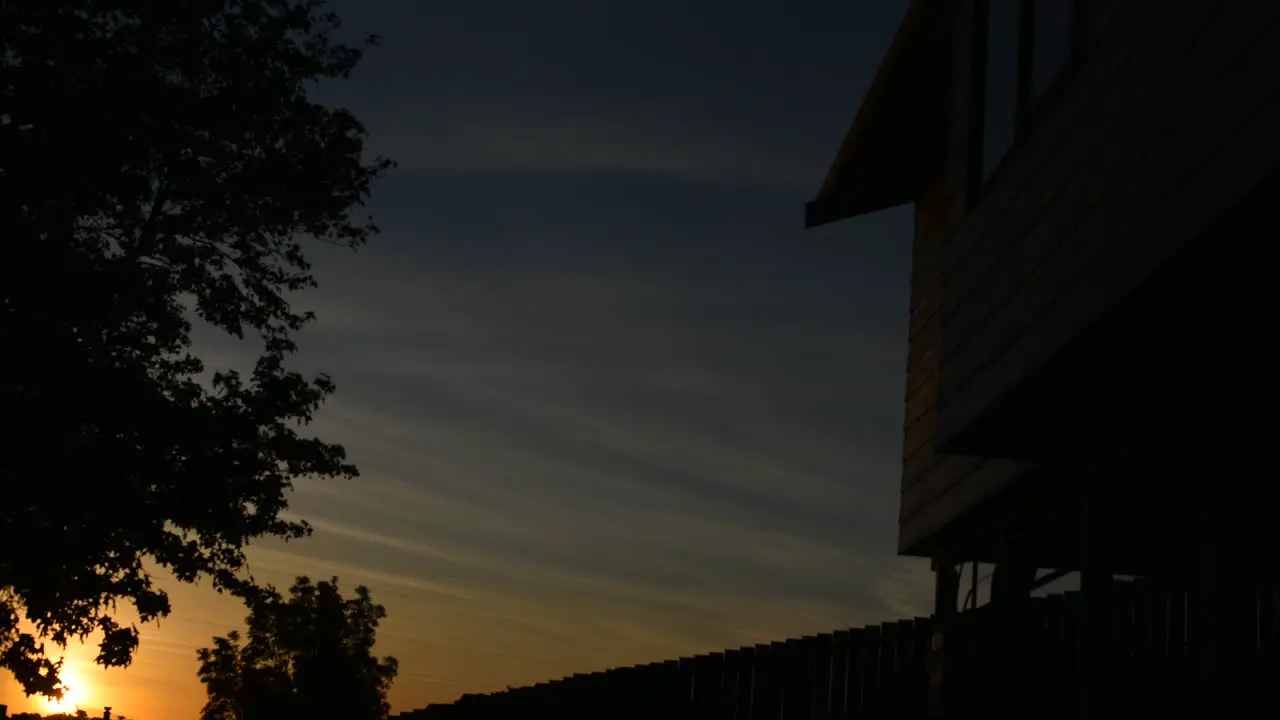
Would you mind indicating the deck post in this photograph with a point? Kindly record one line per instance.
(946, 588)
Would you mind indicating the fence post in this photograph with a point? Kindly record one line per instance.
(682, 688)
(652, 686)
(639, 694)
(600, 702)
(537, 704)
(559, 698)
(820, 678)
(577, 696)
(838, 707)
(730, 678)
(887, 691)
(868, 665)
(914, 636)
(745, 701)
(797, 678)
(705, 696)
(764, 704)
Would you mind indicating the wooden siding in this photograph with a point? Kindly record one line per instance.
(929, 477)
(1169, 116)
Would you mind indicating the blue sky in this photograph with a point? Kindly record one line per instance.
(606, 392)
(611, 402)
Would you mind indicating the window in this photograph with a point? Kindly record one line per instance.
(1023, 48)
(1000, 86)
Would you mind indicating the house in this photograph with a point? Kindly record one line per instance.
(1088, 377)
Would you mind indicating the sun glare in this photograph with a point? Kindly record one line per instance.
(74, 695)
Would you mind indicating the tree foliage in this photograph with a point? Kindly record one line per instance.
(307, 656)
(159, 159)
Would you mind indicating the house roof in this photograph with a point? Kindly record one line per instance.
(898, 137)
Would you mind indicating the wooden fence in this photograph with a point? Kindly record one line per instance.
(884, 671)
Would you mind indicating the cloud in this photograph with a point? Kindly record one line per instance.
(587, 458)
(513, 396)
(290, 564)
(559, 137)
(905, 590)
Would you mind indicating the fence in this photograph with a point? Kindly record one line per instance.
(884, 671)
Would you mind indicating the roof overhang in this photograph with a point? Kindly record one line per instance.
(899, 137)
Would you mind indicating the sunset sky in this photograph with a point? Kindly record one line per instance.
(611, 403)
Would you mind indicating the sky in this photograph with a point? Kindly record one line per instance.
(611, 403)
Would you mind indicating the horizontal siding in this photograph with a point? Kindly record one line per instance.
(1170, 115)
(920, 418)
(1043, 162)
(928, 477)
(955, 486)
(1178, 88)
(1249, 159)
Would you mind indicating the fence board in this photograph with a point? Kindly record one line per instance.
(882, 671)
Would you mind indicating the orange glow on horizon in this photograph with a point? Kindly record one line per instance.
(78, 692)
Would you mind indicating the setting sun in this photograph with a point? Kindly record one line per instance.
(74, 695)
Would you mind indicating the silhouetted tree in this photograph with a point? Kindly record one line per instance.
(309, 656)
(158, 159)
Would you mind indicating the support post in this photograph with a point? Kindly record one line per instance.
(946, 588)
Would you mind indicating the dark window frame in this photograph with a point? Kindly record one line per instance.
(1028, 111)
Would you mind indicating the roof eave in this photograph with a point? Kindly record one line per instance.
(826, 210)
(898, 137)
